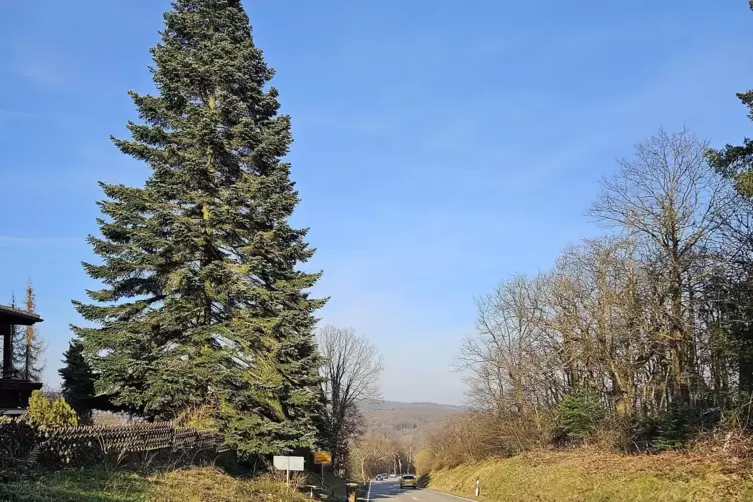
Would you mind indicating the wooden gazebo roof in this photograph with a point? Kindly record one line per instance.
(11, 315)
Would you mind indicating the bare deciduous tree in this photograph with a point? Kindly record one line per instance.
(633, 317)
(652, 321)
(351, 371)
(372, 454)
(504, 358)
(671, 202)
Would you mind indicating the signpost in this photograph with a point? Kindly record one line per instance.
(322, 458)
(288, 464)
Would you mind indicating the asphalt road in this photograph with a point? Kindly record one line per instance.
(383, 491)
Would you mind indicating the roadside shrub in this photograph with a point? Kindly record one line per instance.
(17, 439)
(200, 418)
(474, 436)
(297, 479)
(424, 461)
(42, 412)
(676, 428)
(739, 414)
(579, 416)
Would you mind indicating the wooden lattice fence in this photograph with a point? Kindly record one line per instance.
(91, 445)
(136, 437)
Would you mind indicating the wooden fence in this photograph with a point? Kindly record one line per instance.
(137, 437)
(88, 445)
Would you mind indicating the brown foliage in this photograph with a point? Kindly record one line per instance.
(474, 436)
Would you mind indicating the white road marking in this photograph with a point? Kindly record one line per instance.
(368, 494)
(414, 498)
(451, 495)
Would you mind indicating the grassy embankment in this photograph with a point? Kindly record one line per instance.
(591, 475)
(185, 485)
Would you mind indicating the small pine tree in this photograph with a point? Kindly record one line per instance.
(580, 414)
(78, 381)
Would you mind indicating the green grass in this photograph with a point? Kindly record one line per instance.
(591, 476)
(185, 485)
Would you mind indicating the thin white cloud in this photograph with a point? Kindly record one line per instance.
(41, 73)
(38, 64)
(59, 120)
(18, 114)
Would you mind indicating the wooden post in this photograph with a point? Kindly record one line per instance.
(6, 330)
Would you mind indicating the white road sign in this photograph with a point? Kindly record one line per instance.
(288, 463)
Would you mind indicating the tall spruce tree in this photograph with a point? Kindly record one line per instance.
(203, 303)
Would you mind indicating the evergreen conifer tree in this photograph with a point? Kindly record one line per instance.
(203, 302)
(78, 381)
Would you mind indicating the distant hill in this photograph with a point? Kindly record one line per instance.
(408, 421)
(397, 405)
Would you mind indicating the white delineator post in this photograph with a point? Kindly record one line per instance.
(477, 492)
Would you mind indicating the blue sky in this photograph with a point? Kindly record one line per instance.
(440, 145)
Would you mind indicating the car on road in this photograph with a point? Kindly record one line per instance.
(408, 481)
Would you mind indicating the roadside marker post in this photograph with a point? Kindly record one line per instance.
(477, 490)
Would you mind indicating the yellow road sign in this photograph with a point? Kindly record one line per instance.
(322, 457)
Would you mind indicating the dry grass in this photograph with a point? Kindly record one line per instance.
(207, 484)
(108, 418)
(590, 474)
(186, 485)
